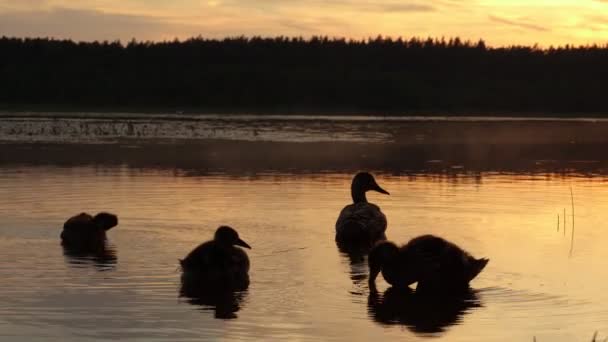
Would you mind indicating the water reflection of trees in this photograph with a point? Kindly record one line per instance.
(425, 314)
(227, 157)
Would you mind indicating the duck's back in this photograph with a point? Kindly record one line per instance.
(218, 265)
(442, 263)
(360, 222)
(81, 229)
(76, 221)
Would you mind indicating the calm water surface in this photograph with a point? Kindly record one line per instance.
(540, 282)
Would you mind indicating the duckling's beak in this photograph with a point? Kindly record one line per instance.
(242, 243)
(377, 187)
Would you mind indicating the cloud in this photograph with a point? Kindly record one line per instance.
(23, 4)
(594, 23)
(399, 7)
(89, 25)
(519, 24)
(78, 24)
(383, 6)
(162, 20)
(597, 19)
(350, 5)
(317, 25)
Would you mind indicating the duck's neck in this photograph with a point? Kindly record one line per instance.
(358, 195)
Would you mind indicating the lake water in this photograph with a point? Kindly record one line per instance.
(496, 188)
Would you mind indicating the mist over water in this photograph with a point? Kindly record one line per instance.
(495, 199)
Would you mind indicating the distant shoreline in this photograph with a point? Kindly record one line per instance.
(93, 127)
(295, 76)
(290, 114)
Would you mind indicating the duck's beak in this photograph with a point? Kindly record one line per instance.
(377, 187)
(242, 243)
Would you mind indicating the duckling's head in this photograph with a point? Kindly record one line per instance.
(363, 182)
(105, 221)
(228, 236)
(381, 254)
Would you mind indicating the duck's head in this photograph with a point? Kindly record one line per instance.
(363, 182)
(105, 221)
(381, 254)
(229, 237)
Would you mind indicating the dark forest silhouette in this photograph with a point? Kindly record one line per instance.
(296, 74)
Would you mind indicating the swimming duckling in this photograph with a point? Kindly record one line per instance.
(86, 231)
(218, 263)
(361, 222)
(436, 264)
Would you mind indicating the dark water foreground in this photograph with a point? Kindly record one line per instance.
(495, 189)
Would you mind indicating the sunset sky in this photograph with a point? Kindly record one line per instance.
(499, 22)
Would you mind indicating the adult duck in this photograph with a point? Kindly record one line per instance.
(86, 231)
(435, 263)
(218, 263)
(361, 222)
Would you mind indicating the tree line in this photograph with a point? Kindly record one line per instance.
(294, 74)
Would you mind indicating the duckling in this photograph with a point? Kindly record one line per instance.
(86, 231)
(435, 263)
(361, 222)
(218, 263)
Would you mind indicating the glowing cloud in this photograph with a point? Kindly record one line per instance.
(498, 22)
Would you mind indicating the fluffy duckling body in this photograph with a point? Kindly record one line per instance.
(361, 222)
(86, 231)
(218, 263)
(435, 263)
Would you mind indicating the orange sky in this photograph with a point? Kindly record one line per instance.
(499, 22)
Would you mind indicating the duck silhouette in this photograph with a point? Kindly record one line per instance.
(218, 263)
(86, 232)
(361, 224)
(436, 264)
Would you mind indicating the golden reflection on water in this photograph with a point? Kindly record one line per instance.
(302, 287)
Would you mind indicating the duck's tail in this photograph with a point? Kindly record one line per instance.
(478, 266)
